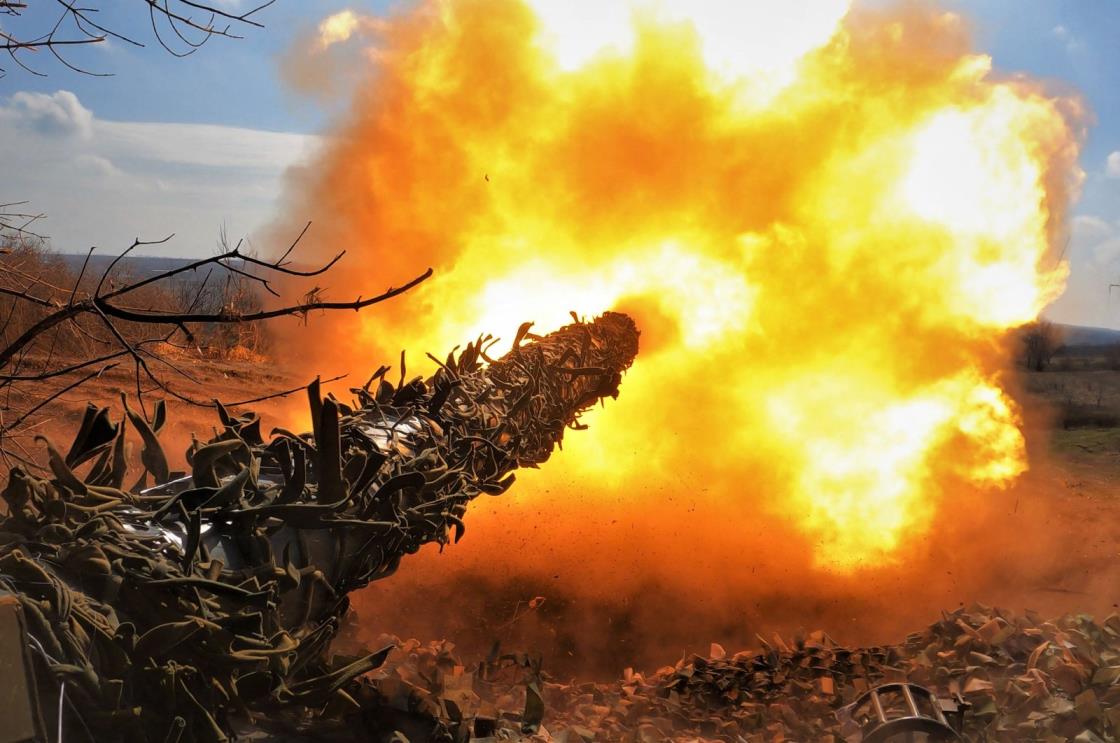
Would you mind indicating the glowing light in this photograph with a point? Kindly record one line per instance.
(755, 44)
(817, 273)
(337, 28)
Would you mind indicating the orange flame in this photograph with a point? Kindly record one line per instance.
(819, 217)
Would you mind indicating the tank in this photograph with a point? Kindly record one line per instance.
(209, 600)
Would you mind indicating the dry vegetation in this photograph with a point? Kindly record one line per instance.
(27, 266)
(230, 351)
(1072, 406)
(1079, 385)
(107, 329)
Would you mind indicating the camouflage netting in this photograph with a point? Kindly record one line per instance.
(178, 612)
(1026, 679)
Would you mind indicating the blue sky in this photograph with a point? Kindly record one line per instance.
(189, 145)
(1072, 43)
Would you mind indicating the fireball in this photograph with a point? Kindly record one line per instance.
(820, 218)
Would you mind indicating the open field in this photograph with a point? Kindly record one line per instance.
(225, 379)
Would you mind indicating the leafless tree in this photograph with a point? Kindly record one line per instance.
(1041, 340)
(54, 26)
(230, 290)
(109, 321)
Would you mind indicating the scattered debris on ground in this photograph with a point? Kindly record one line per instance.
(1024, 678)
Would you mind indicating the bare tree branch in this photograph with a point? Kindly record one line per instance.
(46, 401)
(18, 222)
(71, 25)
(114, 318)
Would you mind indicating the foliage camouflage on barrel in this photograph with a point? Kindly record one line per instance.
(180, 611)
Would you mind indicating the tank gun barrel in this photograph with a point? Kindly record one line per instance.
(166, 611)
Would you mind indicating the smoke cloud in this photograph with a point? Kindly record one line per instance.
(825, 251)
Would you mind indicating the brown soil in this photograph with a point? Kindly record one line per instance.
(214, 378)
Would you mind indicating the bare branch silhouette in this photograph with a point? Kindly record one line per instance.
(113, 319)
(179, 26)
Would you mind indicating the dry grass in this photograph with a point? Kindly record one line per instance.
(219, 362)
(26, 265)
(1078, 399)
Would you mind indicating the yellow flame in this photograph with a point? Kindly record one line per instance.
(670, 271)
(755, 43)
(866, 454)
(817, 273)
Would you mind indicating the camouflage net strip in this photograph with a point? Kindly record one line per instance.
(1026, 679)
(170, 613)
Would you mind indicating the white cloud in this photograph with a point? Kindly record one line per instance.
(96, 164)
(1112, 165)
(1106, 252)
(1073, 44)
(205, 145)
(51, 114)
(1094, 257)
(1088, 229)
(105, 182)
(1094, 243)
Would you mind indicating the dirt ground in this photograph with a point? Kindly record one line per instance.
(226, 380)
(1073, 425)
(1075, 447)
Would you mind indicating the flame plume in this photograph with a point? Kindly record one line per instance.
(823, 220)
